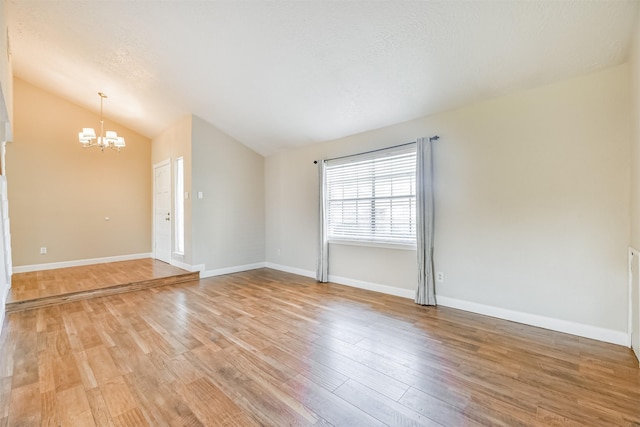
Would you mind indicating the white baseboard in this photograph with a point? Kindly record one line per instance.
(216, 272)
(292, 270)
(559, 325)
(573, 328)
(188, 267)
(78, 263)
(229, 270)
(377, 287)
(633, 255)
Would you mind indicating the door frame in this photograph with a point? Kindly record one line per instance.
(163, 163)
(634, 318)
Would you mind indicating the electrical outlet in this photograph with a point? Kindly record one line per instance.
(43, 250)
(440, 277)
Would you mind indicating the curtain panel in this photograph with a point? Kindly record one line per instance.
(322, 272)
(426, 293)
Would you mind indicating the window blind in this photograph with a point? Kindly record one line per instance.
(372, 197)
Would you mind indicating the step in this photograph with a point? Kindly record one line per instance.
(102, 292)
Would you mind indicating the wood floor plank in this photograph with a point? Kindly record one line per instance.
(49, 407)
(362, 373)
(144, 392)
(316, 372)
(131, 418)
(46, 378)
(66, 373)
(435, 409)
(212, 406)
(265, 402)
(269, 378)
(381, 407)
(73, 407)
(8, 346)
(84, 368)
(25, 407)
(86, 331)
(102, 365)
(117, 396)
(328, 405)
(5, 395)
(25, 360)
(270, 348)
(99, 408)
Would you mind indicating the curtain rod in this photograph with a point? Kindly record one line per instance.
(432, 138)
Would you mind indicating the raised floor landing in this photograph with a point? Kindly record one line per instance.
(50, 287)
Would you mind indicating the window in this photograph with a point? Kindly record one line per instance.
(179, 207)
(371, 197)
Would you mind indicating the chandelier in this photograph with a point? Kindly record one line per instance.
(109, 139)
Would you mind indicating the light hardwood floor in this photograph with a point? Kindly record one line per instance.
(271, 348)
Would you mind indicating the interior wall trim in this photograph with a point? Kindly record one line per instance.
(376, 287)
(558, 325)
(292, 270)
(188, 267)
(78, 263)
(229, 270)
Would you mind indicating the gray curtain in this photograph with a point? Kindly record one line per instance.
(426, 293)
(322, 273)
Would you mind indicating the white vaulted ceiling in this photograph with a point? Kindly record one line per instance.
(280, 74)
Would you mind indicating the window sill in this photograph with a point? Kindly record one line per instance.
(386, 245)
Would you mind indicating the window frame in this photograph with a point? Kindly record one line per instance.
(389, 167)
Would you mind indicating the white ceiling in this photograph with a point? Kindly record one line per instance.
(280, 74)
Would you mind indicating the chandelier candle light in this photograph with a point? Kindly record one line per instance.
(110, 139)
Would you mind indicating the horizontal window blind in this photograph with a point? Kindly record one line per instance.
(372, 197)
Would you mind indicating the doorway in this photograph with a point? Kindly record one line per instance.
(162, 211)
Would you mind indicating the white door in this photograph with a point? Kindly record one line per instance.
(162, 211)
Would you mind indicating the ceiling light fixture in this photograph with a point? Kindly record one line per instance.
(110, 139)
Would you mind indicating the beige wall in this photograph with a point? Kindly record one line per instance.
(60, 193)
(635, 183)
(6, 77)
(224, 229)
(532, 203)
(228, 222)
(6, 118)
(174, 142)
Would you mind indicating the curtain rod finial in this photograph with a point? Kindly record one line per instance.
(434, 138)
(315, 162)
